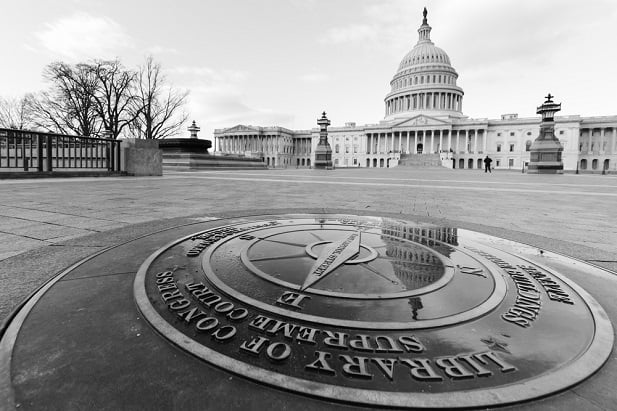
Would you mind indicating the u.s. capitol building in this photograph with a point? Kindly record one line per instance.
(424, 125)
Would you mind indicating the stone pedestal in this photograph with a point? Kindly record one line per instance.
(546, 150)
(323, 151)
(141, 157)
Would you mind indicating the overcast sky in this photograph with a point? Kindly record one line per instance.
(282, 62)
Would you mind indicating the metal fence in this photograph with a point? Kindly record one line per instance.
(31, 151)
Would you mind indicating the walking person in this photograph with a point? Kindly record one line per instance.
(487, 164)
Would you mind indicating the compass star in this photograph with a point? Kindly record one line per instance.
(496, 345)
(331, 257)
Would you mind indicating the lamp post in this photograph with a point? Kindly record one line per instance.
(546, 151)
(323, 151)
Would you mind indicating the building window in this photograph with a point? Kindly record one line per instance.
(510, 162)
(583, 164)
(346, 149)
(594, 164)
(498, 134)
(560, 132)
(529, 133)
(511, 147)
(497, 163)
(336, 148)
(498, 148)
(511, 133)
(528, 145)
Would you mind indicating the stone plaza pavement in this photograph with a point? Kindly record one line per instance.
(48, 224)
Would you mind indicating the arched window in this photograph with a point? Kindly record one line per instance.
(470, 163)
(528, 145)
(584, 164)
(594, 164)
(607, 163)
(381, 162)
(336, 148)
(461, 163)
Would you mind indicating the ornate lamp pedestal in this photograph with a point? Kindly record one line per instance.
(546, 150)
(323, 151)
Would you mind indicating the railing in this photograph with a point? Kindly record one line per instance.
(24, 151)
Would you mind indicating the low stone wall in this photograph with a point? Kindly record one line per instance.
(192, 161)
(141, 157)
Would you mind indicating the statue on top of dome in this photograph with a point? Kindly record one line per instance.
(424, 13)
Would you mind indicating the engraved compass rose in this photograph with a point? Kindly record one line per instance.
(350, 274)
(344, 262)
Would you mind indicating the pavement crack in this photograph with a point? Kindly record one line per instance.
(96, 276)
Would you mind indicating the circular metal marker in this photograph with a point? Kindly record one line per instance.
(373, 311)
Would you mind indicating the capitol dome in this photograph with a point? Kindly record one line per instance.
(425, 82)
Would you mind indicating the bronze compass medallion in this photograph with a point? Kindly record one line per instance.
(373, 310)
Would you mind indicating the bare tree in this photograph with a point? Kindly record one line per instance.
(15, 113)
(158, 107)
(115, 95)
(69, 106)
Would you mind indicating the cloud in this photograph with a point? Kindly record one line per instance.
(218, 99)
(314, 77)
(351, 33)
(83, 36)
(209, 75)
(379, 25)
(162, 50)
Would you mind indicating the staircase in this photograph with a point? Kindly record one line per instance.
(419, 160)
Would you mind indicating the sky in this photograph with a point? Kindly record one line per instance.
(283, 62)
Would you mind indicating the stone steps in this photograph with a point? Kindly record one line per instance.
(420, 160)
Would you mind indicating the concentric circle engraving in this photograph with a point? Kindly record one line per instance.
(374, 311)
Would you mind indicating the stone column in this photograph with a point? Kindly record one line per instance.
(475, 141)
(602, 140)
(407, 150)
(590, 134)
(484, 146)
(613, 140)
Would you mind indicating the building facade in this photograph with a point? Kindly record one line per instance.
(424, 118)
